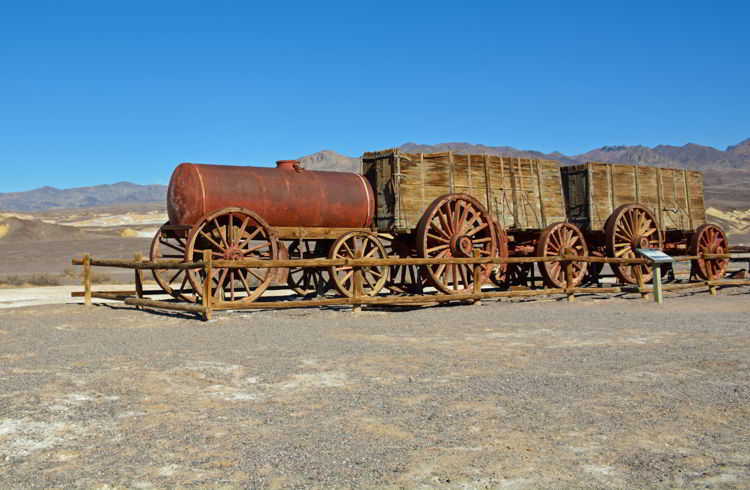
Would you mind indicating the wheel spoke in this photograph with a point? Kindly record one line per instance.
(167, 244)
(259, 278)
(250, 237)
(257, 247)
(244, 282)
(462, 271)
(477, 229)
(220, 230)
(171, 279)
(440, 239)
(220, 282)
(211, 240)
(444, 221)
(241, 230)
(433, 249)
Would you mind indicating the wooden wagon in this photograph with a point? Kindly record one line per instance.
(421, 200)
(623, 207)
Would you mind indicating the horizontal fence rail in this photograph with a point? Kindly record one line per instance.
(205, 308)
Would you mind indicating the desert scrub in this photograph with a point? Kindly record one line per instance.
(44, 280)
(69, 272)
(35, 280)
(100, 278)
(12, 281)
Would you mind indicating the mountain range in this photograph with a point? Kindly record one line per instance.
(726, 173)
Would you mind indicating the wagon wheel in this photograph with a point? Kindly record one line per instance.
(518, 274)
(308, 281)
(593, 271)
(169, 246)
(404, 279)
(233, 234)
(629, 227)
(499, 272)
(358, 245)
(709, 239)
(455, 225)
(556, 239)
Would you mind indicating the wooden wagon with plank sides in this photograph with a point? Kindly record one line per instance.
(457, 205)
(621, 208)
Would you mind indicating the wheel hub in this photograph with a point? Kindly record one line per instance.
(233, 254)
(640, 242)
(461, 246)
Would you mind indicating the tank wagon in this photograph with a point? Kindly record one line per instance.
(258, 213)
(437, 205)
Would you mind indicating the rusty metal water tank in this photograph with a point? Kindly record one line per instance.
(287, 195)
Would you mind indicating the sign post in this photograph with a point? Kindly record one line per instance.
(657, 258)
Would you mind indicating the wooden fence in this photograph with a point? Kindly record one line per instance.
(205, 309)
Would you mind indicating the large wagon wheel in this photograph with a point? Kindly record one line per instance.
(404, 279)
(555, 240)
(499, 274)
(455, 225)
(358, 245)
(629, 227)
(233, 234)
(169, 246)
(709, 239)
(308, 281)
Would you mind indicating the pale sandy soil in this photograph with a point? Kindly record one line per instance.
(607, 392)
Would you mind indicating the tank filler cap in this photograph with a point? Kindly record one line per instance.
(288, 165)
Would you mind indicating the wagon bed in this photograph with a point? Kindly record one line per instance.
(594, 190)
(519, 193)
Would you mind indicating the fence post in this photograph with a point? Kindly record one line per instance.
(357, 290)
(639, 279)
(569, 275)
(656, 274)
(86, 279)
(207, 269)
(477, 278)
(139, 279)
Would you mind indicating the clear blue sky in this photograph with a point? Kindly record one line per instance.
(98, 92)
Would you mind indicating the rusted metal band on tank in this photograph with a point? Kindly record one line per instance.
(370, 200)
(203, 188)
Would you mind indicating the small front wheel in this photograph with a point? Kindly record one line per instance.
(358, 245)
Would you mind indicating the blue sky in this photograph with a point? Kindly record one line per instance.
(99, 92)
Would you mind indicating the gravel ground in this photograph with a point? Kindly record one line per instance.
(604, 392)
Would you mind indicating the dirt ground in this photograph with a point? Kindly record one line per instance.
(27, 258)
(604, 392)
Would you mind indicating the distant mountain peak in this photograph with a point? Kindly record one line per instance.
(741, 148)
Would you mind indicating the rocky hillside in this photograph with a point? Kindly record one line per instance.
(14, 230)
(331, 161)
(98, 195)
(727, 173)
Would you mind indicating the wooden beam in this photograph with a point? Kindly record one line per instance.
(164, 305)
(87, 279)
(139, 277)
(208, 278)
(298, 232)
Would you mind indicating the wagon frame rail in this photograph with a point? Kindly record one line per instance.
(205, 309)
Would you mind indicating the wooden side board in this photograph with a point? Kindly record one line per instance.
(594, 190)
(520, 193)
